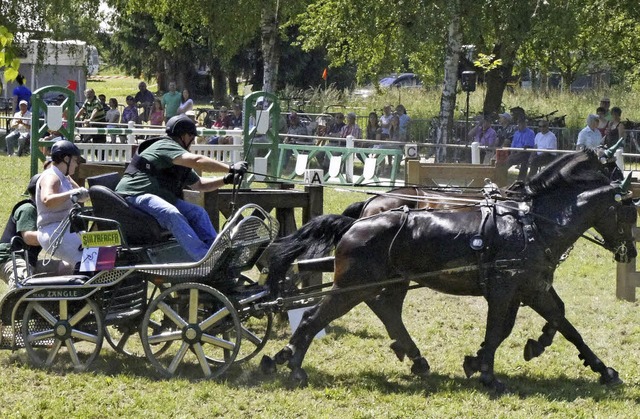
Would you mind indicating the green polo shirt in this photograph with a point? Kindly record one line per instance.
(171, 102)
(161, 155)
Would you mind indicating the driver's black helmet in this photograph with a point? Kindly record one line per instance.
(62, 148)
(180, 124)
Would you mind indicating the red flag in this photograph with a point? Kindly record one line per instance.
(72, 85)
(324, 74)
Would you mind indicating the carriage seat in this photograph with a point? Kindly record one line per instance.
(138, 227)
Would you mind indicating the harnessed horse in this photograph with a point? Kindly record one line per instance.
(506, 251)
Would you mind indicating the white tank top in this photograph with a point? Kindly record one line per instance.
(46, 215)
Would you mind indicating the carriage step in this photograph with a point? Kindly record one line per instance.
(114, 318)
(314, 265)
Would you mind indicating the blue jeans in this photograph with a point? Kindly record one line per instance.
(189, 223)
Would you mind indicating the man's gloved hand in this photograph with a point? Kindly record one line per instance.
(239, 167)
(231, 178)
(79, 195)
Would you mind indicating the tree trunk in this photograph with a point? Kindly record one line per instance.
(448, 98)
(232, 76)
(496, 80)
(270, 51)
(219, 83)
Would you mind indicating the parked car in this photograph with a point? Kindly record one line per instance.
(402, 80)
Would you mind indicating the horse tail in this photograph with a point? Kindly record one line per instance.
(314, 239)
(355, 210)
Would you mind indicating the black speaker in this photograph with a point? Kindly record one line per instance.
(468, 81)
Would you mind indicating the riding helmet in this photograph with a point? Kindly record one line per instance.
(180, 124)
(63, 148)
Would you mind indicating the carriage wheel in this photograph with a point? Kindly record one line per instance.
(203, 325)
(124, 337)
(70, 329)
(255, 328)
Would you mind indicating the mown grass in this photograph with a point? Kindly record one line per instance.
(353, 373)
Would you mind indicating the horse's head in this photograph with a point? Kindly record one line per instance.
(617, 223)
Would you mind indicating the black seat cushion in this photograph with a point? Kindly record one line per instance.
(139, 228)
(110, 180)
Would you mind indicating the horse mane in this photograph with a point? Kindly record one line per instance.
(579, 168)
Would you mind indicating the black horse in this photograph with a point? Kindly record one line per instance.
(506, 251)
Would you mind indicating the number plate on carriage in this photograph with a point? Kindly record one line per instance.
(100, 239)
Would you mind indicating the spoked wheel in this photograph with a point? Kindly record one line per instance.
(203, 324)
(255, 326)
(124, 335)
(62, 330)
(125, 338)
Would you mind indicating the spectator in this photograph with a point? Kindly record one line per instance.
(603, 121)
(404, 122)
(186, 103)
(171, 101)
(385, 120)
(222, 122)
(485, 135)
(94, 115)
(23, 223)
(505, 130)
(154, 180)
(21, 131)
(295, 128)
(236, 117)
(545, 140)
(373, 128)
(336, 127)
(103, 101)
(616, 129)
(144, 99)
(54, 191)
(351, 128)
(130, 112)
(523, 137)
(20, 93)
(606, 104)
(113, 116)
(156, 116)
(589, 137)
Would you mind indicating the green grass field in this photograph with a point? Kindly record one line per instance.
(352, 371)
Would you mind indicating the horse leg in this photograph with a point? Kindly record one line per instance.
(331, 307)
(503, 308)
(535, 348)
(388, 307)
(546, 305)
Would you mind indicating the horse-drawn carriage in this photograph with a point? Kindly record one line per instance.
(143, 299)
(206, 315)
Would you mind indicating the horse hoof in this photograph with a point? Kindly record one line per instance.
(298, 378)
(420, 367)
(397, 349)
(267, 365)
(611, 378)
(471, 365)
(284, 355)
(532, 349)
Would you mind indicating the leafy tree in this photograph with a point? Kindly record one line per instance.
(8, 58)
